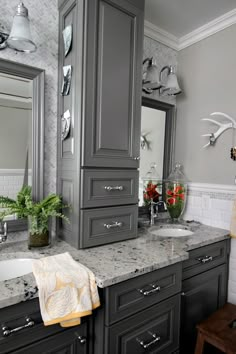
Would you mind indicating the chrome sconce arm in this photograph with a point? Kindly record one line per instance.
(3, 40)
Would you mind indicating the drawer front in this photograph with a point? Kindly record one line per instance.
(106, 225)
(129, 297)
(15, 316)
(204, 258)
(104, 188)
(155, 330)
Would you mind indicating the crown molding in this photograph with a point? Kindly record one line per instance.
(212, 27)
(160, 35)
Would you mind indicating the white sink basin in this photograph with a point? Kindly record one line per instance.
(14, 268)
(171, 232)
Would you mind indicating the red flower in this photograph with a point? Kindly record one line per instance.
(169, 192)
(178, 189)
(171, 201)
(181, 196)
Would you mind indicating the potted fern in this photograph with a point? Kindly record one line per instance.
(38, 214)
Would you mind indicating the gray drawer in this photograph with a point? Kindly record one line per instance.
(204, 258)
(106, 225)
(127, 298)
(161, 320)
(105, 187)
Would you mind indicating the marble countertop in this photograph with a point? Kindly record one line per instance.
(111, 263)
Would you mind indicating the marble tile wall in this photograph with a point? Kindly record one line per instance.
(43, 16)
(212, 205)
(162, 56)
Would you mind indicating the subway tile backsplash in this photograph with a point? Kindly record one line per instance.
(212, 205)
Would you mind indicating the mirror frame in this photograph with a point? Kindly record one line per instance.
(170, 128)
(38, 77)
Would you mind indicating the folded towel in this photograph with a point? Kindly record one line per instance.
(67, 290)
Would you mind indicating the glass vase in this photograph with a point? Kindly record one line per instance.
(176, 194)
(38, 232)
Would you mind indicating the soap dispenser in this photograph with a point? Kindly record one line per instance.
(176, 192)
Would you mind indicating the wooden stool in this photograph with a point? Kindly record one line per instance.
(219, 330)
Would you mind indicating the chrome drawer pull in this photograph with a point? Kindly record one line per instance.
(116, 188)
(6, 331)
(82, 339)
(147, 345)
(156, 288)
(205, 259)
(114, 225)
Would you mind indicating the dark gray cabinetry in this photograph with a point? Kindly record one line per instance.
(140, 315)
(204, 289)
(102, 147)
(39, 339)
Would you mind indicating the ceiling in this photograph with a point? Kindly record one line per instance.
(180, 17)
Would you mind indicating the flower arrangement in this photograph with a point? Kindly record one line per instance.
(175, 198)
(38, 213)
(150, 193)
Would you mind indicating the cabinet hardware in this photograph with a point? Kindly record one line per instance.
(156, 288)
(110, 188)
(205, 259)
(137, 158)
(183, 293)
(82, 339)
(114, 225)
(6, 331)
(147, 345)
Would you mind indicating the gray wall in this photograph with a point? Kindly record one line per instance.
(208, 77)
(162, 55)
(44, 26)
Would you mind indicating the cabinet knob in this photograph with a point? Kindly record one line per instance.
(137, 158)
(82, 339)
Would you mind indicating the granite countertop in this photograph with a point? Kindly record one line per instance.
(111, 263)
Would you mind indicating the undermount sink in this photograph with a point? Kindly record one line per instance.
(13, 268)
(171, 232)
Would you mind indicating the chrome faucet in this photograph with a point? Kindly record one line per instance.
(154, 211)
(3, 232)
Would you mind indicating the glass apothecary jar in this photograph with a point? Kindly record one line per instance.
(152, 186)
(176, 193)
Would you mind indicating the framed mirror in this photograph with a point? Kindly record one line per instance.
(22, 132)
(157, 140)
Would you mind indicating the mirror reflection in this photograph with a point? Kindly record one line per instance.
(153, 123)
(15, 134)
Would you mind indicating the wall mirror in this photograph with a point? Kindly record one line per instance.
(22, 132)
(157, 140)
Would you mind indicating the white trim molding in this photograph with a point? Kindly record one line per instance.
(212, 27)
(211, 188)
(160, 35)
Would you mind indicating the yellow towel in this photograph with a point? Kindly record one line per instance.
(67, 290)
(233, 221)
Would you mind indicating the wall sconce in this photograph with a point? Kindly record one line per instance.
(172, 86)
(150, 77)
(153, 81)
(20, 37)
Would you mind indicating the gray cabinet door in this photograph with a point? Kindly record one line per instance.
(153, 331)
(202, 295)
(112, 109)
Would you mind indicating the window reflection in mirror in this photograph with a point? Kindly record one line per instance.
(152, 144)
(15, 134)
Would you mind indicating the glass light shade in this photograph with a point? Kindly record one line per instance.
(172, 85)
(20, 37)
(151, 78)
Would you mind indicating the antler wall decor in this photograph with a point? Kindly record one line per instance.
(222, 127)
